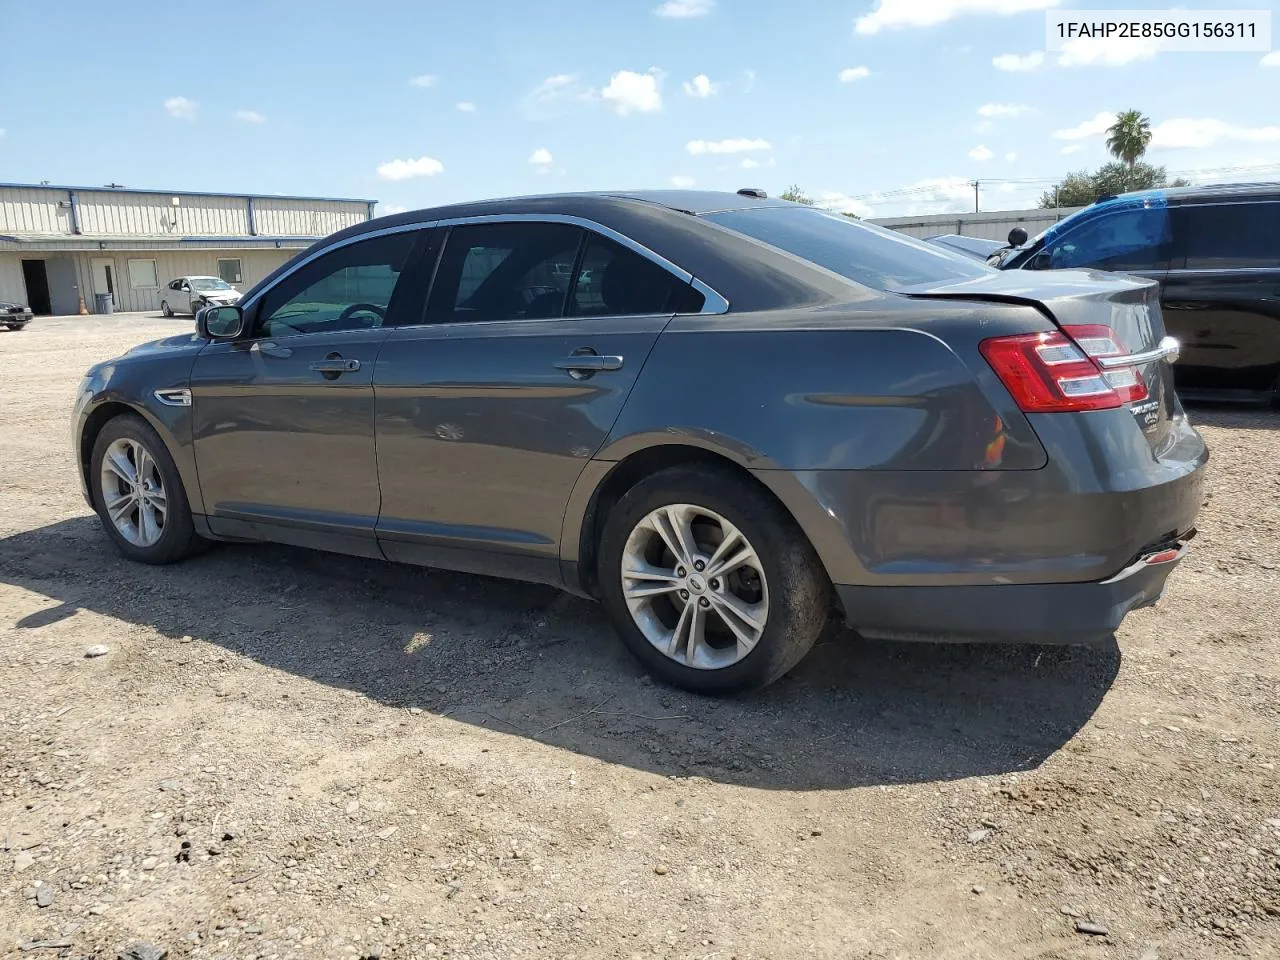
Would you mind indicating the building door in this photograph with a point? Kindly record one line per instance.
(37, 281)
(104, 278)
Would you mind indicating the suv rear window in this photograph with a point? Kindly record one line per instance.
(867, 254)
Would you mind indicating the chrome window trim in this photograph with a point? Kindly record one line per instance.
(715, 303)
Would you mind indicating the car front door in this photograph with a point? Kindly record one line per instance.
(1221, 297)
(489, 410)
(283, 417)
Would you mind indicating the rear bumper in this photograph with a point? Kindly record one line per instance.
(1040, 613)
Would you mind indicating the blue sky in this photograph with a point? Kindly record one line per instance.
(877, 106)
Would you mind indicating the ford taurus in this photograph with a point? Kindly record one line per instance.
(723, 416)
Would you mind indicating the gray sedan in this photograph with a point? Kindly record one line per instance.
(725, 417)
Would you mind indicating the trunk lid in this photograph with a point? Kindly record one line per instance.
(1129, 306)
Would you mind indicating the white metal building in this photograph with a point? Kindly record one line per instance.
(61, 244)
(994, 225)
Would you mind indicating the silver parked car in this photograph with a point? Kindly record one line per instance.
(190, 294)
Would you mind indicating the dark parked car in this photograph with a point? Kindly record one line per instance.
(729, 417)
(1215, 251)
(15, 316)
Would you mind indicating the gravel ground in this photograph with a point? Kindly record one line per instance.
(288, 754)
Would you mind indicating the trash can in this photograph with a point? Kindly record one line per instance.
(103, 304)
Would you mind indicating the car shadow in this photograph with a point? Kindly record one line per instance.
(1233, 416)
(534, 662)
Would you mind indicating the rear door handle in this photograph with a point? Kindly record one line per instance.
(589, 363)
(335, 365)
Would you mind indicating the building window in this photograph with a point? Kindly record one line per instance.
(143, 276)
(229, 270)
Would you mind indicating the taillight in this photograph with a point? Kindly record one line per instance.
(1056, 373)
(1100, 341)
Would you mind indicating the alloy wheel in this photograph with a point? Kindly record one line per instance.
(695, 586)
(133, 492)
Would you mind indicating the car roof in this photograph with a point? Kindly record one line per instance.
(1208, 193)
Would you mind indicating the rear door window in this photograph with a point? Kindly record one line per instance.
(858, 251)
(1231, 235)
(504, 271)
(613, 281)
(1137, 238)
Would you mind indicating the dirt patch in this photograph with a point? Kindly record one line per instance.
(288, 754)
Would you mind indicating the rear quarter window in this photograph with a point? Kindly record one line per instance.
(861, 252)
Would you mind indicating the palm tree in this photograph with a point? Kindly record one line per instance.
(1128, 137)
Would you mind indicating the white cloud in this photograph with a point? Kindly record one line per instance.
(895, 14)
(387, 209)
(731, 145)
(1105, 51)
(684, 9)
(980, 153)
(841, 203)
(683, 183)
(540, 156)
(1272, 59)
(1181, 133)
(1071, 148)
(1016, 64)
(250, 116)
(552, 94)
(408, 169)
(1010, 157)
(180, 108)
(629, 91)
(749, 164)
(1089, 128)
(700, 86)
(423, 80)
(850, 74)
(1003, 109)
(467, 106)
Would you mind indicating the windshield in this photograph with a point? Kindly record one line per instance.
(209, 283)
(867, 254)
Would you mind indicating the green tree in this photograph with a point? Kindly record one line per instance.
(796, 195)
(1128, 137)
(1082, 188)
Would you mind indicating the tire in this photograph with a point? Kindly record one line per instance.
(165, 308)
(15, 327)
(176, 538)
(784, 579)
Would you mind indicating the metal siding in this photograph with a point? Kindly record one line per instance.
(12, 286)
(994, 225)
(33, 210)
(296, 218)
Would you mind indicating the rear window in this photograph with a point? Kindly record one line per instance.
(867, 254)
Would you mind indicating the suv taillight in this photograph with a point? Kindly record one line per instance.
(1054, 373)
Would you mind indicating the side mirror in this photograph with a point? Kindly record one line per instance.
(220, 323)
(1017, 237)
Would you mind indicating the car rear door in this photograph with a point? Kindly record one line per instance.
(283, 418)
(1221, 297)
(489, 409)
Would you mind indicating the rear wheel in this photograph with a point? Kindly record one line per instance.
(139, 495)
(709, 582)
(165, 308)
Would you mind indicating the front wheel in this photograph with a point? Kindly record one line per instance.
(165, 308)
(709, 582)
(138, 493)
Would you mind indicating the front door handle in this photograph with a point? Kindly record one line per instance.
(589, 363)
(335, 365)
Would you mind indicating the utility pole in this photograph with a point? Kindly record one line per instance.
(975, 195)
